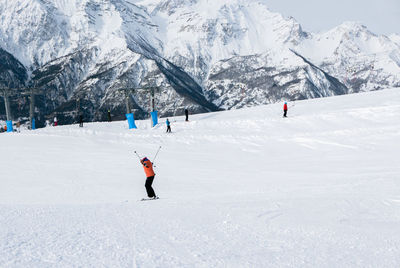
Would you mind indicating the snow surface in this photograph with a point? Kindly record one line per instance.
(243, 188)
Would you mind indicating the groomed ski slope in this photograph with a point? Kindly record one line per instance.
(243, 188)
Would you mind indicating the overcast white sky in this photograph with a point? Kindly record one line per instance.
(380, 16)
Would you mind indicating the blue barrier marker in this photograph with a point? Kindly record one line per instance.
(33, 124)
(9, 126)
(131, 121)
(154, 118)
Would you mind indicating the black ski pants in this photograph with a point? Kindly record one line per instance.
(149, 189)
(284, 113)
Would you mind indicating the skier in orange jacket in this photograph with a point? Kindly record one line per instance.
(148, 170)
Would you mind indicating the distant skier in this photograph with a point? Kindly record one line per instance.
(285, 109)
(187, 114)
(148, 170)
(81, 120)
(168, 126)
(55, 121)
(109, 115)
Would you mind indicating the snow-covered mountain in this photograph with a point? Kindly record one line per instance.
(207, 55)
(360, 59)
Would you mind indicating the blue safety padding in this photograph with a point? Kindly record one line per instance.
(131, 121)
(9, 126)
(154, 118)
(33, 124)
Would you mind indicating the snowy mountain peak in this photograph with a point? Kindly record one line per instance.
(355, 55)
(352, 26)
(216, 30)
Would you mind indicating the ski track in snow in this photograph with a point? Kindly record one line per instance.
(244, 188)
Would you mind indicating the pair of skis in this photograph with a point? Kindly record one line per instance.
(143, 199)
(149, 199)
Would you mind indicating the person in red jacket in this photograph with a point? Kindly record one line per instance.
(148, 170)
(285, 109)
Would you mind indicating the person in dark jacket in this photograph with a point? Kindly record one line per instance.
(285, 109)
(168, 126)
(81, 120)
(187, 114)
(109, 115)
(148, 170)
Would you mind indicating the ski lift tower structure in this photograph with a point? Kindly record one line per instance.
(151, 90)
(6, 93)
(23, 91)
(32, 92)
(127, 92)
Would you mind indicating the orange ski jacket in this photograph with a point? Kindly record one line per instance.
(148, 167)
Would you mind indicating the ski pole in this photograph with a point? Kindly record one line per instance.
(154, 159)
(137, 155)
